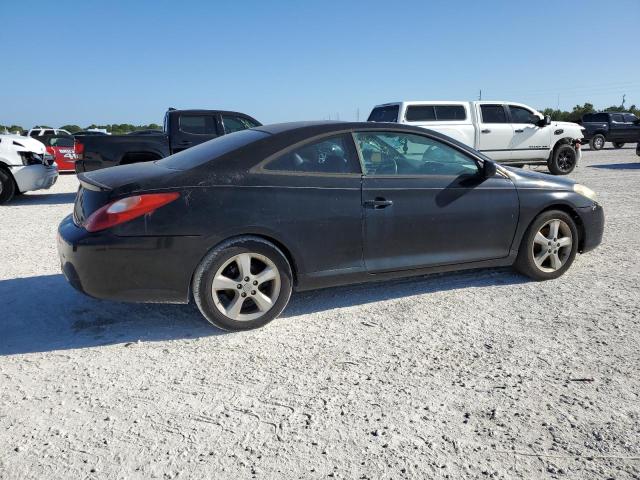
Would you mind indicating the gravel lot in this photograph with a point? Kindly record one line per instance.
(472, 375)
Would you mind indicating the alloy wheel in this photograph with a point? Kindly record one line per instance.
(599, 143)
(552, 245)
(246, 286)
(566, 161)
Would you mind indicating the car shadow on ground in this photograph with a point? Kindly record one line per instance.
(618, 166)
(44, 313)
(43, 199)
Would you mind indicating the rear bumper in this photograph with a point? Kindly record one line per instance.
(133, 269)
(35, 177)
(592, 219)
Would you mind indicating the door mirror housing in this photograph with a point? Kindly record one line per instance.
(544, 122)
(488, 169)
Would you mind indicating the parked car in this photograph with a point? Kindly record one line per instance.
(63, 149)
(24, 166)
(508, 132)
(240, 221)
(617, 128)
(38, 132)
(84, 133)
(182, 129)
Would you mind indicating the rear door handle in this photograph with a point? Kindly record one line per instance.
(184, 143)
(486, 130)
(519, 130)
(378, 203)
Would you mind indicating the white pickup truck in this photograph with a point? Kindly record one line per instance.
(25, 165)
(508, 132)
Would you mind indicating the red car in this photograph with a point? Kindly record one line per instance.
(65, 150)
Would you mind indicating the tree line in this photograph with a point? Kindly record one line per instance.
(574, 115)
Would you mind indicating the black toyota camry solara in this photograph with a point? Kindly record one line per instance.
(239, 222)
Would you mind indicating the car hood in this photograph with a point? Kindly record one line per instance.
(25, 144)
(529, 179)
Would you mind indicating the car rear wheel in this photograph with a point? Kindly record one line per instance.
(563, 160)
(242, 284)
(548, 247)
(7, 186)
(618, 144)
(597, 142)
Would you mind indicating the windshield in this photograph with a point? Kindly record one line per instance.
(211, 150)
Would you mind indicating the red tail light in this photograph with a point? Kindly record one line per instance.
(126, 209)
(79, 148)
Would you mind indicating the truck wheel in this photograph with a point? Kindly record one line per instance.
(563, 160)
(7, 186)
(597, 142)
(618, 144)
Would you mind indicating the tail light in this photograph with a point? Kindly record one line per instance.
(79, 148)
(125, 209)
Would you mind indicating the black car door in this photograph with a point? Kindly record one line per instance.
(632, 128)
(190, 129)
(617, 128)
(426, 204)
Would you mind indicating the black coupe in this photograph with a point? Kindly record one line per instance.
(240, 221)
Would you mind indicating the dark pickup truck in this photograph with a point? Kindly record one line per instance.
(182, 129)
(616, 127)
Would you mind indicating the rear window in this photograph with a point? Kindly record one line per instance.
(61, 142)
(207, 151)
(384, 114)
(429, 113)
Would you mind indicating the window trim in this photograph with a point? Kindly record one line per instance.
(260, 167)
(478, 161)
(215, 124)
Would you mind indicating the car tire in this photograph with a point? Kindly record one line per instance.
(245, 295)
(563, 160)
(618, 144)
(597, 142)
(7, 186)
(538, 264)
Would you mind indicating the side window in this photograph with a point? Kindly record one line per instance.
(233, 123)
(521, 115)
(394, 153)
(617, 117)
(493, 114)
(450, 112)
(630, 117)
(49, 132)
(329, 155)
(198, 124)
(420, 113)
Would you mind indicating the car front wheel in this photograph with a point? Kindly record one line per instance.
(7, 187)
(548, 247)
(242, 284)
(563, 160)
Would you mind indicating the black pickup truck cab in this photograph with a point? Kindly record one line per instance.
(182, 129)
(616, 127)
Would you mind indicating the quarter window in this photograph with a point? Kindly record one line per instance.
(233, 123)
(391, 153)
(493, 114)
(329, 155)
(198, 124)
(384, 114)
(521, 115)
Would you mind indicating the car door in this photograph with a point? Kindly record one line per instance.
(617, 128)
(191, 129)
(632, 129)
(426, 204)
(529, 142)
(495, 131)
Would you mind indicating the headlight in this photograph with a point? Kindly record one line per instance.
(584, 191)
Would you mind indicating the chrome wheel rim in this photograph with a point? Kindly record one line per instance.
(598, 142)
(552, 245)
(246, 287)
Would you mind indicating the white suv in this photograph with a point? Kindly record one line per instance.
(39, 132)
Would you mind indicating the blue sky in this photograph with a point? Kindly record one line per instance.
(126, 62)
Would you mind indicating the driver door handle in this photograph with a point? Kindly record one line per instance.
(378, 203)
(519, 130)
(486, 130)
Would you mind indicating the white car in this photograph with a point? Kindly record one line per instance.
(25, 165)
(39, 132)
(507, 132)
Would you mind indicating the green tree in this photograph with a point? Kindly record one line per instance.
(71, 128)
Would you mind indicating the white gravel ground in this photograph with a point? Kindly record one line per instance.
(473, 375)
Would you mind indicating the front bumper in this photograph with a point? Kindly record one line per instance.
(35, 177)
(133, 269)
(592, 219)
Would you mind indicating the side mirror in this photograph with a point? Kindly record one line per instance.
(488, 169)
(544, 121)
